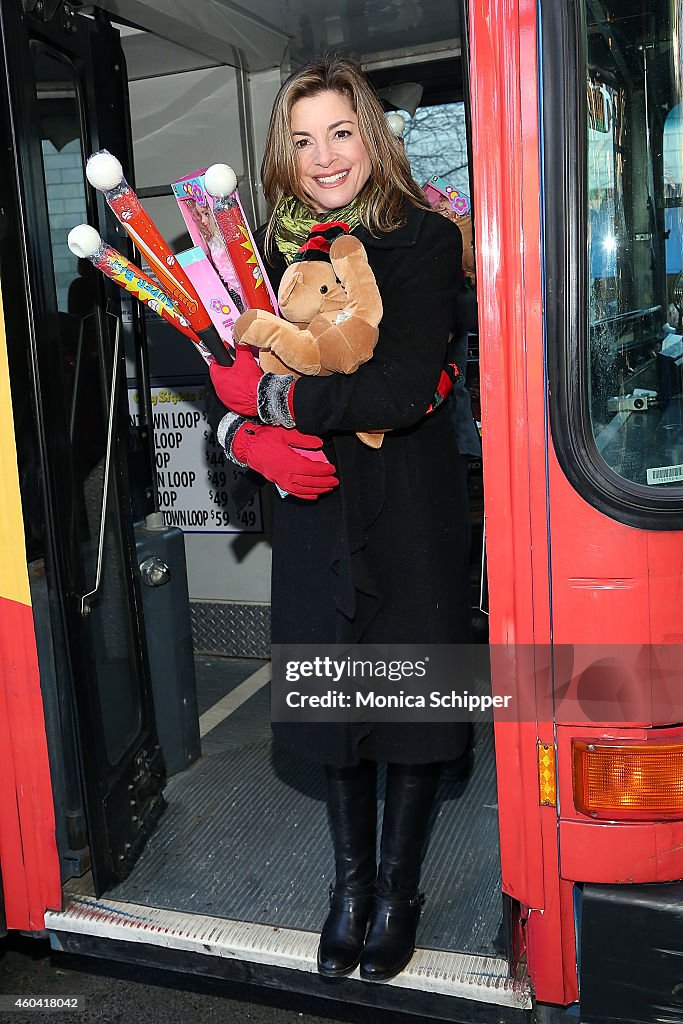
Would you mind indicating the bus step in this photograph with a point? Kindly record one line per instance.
(435, 982)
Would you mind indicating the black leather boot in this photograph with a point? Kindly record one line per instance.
(390, 942)
(352, 805)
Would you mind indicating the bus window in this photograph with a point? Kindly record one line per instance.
(436, 144)
(634, 208)
(673, 211)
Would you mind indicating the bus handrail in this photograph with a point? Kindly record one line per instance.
(113, 392)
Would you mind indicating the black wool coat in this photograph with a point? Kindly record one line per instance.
(384, 557)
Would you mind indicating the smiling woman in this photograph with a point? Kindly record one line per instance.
(379, 170)
(333, 162)
(340, 575)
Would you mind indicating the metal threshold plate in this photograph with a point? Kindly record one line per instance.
(478, 978)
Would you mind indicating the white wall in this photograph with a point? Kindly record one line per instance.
(181, 122)
(263, 88)
(66, 205)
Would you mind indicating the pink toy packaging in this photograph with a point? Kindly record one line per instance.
(197, 209)
(211, 289)
(455, 206)
(446, 199)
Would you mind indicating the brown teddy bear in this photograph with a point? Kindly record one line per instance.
(331, 308)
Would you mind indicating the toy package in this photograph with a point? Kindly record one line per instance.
(446, 199)
(455, 206)
(215, 296)
(217, 224)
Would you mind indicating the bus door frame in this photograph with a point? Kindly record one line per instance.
(506, 144)
(123, 801)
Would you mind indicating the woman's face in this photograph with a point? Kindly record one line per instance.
(333, 162)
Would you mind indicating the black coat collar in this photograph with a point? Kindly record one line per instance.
(403, 237)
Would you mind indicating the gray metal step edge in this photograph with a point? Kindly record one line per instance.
(479, 978)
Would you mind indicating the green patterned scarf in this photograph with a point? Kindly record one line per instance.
(294, 221)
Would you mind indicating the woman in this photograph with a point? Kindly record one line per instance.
(382, 557)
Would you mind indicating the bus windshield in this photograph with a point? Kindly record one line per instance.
(635, 208)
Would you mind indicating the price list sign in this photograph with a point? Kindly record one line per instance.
(192, 470)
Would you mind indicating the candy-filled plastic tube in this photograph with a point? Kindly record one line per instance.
(85, 243)
(105, 173)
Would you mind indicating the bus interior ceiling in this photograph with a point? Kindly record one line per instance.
(245, 834)
(268, 34)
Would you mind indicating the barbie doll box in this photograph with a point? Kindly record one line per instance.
(196, 207)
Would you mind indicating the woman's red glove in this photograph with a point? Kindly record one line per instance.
(236, 385)
(269, 451)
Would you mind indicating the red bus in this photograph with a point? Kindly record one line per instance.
(555, 868)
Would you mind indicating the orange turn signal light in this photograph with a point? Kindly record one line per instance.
(628, 780)
(546, 774)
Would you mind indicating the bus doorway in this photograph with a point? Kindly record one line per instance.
(245, 840)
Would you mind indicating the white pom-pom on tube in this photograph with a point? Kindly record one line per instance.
(104, 171)
(84, 241)
(220, 180)
(396, 124)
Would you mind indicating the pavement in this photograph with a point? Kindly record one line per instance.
(114, 993)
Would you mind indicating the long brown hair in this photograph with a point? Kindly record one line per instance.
(390, 183)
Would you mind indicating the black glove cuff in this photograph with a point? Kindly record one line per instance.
(225, 434)
(272, 399)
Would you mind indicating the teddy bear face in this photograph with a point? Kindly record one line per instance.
(309, 287)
